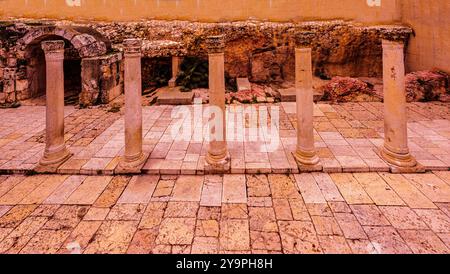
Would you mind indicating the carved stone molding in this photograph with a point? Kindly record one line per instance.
(53, 46)
(215, 44)
(132, 46)
(395, 34)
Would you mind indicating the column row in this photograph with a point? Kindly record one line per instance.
(395, 150)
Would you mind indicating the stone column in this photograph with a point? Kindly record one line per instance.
(305, 154)
(176, 62)
(395, 150)
(55, 148)
(217, 157)
(134, 158)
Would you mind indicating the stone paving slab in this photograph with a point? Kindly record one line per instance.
(347, 136)
(299, 214)
(306, 213)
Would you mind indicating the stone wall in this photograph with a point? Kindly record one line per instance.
(430, 45)
(102, 79)
(263, 51)
(90, 64)
(430, 19)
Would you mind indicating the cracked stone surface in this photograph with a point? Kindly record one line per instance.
(299, 215)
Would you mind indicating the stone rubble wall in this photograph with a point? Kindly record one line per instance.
(102, 79)
(261, 51)
(264, 51)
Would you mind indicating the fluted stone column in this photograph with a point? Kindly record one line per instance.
(395, 150)
(134, 158)
(305, 154)
(55, 148)
(217, 158)
(176, 62)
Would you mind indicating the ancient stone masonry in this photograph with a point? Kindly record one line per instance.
(261, 51)
(102, 78)
(264, 51)
(20, 50)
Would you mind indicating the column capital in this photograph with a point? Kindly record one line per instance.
(53, 46)
(395, 34)
(304, 39)
(215, 44)
(132, 46)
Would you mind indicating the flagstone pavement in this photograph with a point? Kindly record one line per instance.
(231, 213)
(348, 137)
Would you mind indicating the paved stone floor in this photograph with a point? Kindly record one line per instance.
(299, 213)
(347, 137)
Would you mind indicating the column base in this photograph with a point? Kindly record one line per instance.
(172, 83)
(307, 161)
(217, 166)
(131, 166)
(52, 160)
(401, 163)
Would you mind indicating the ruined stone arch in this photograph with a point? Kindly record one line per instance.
(88, 42)
(91, 66)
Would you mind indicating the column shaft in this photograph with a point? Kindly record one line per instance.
(133, 103)
(306, 153)
(217, 147)
(395, 149)
(176, 62)
(55, 149)
(217, 156)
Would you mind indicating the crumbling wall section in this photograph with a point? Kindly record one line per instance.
(102, 79)
(264, 51)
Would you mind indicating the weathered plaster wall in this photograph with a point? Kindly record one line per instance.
(431, 23)
(205, 10)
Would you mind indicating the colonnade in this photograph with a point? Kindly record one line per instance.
(395, 150)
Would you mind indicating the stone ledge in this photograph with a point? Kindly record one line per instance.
(173, 96)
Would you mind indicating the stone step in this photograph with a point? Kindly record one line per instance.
(174, 96)
(243, 84)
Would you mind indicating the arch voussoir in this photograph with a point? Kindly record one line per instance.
(88, 46)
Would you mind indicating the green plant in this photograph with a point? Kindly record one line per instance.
(193, 74)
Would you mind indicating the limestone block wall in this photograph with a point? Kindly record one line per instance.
(430, 46)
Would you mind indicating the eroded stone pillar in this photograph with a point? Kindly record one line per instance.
(305, 154)
(395, 150)
(55, 148)
(217, 158)
(134, 158)
(176, 62)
